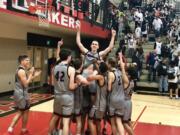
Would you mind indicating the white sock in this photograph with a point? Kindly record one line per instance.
(10, 129)
(60, 132)
(176, 96)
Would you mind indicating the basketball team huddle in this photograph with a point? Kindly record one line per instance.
(87, 90)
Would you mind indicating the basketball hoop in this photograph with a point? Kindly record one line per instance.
(42, 11)
(43, 17)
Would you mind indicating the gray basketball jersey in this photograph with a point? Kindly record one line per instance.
(129, 90)
(61, 83)
(78, 96)
(20, 91)
(101, 95)
(117, 92)
(90, 57)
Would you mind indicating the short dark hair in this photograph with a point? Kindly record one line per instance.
(132, 72)
(64, 54)
(77, 63)
(103, 67)
(21, 58)
(112, 62)
(172, 63)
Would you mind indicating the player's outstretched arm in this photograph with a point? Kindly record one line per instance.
(98, 78)
(71, 73)
(82, 80)
(124, 75)
(78, 41)
(111, 44)
(60, 43)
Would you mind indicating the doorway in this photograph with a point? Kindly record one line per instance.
(42, 59)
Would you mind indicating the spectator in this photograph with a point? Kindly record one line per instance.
(163, 78)
(136, 17)
(151, 59)
(138, 59)
(144, 29)
(172, 52)
(172, 33)
(165, 51)
(122, 46)
(138, 33)
(140, 17)
(121, 23)
(165, 26)
(178, 43)
(131, 45)
(157, 46)
(177, 31)
(157, 23)
(127, 28)
(96, 4)
(141, 57)
(173, 79)
(157, 12)
(177, 60)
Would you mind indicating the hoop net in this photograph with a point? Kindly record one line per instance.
(43, 17)
(42, 11)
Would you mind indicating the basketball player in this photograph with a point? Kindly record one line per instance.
(116, 97)
(78, 94)
(88, 98)
(21, 97)
(93, 54)
(64, 85)
(89, 58)
(99, 107)
(128, 89)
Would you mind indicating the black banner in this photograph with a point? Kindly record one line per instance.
(42, 40)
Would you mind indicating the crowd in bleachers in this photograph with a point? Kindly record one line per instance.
(158, 23)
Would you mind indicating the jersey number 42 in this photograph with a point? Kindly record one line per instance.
(60, 76)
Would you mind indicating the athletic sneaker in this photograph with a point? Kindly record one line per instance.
(176, 97)
(26, 132)
(87, 132)
(10, 133)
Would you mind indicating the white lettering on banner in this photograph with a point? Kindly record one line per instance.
(55, 17)
(3, 4)
(64, 20)
(71, 22)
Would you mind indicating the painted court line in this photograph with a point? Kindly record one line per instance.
(136, 122)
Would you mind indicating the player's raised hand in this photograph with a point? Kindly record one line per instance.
(60, 43)
(113, 32)
(78, 27)
(122, 64)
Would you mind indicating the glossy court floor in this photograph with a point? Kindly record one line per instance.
(152, 115)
